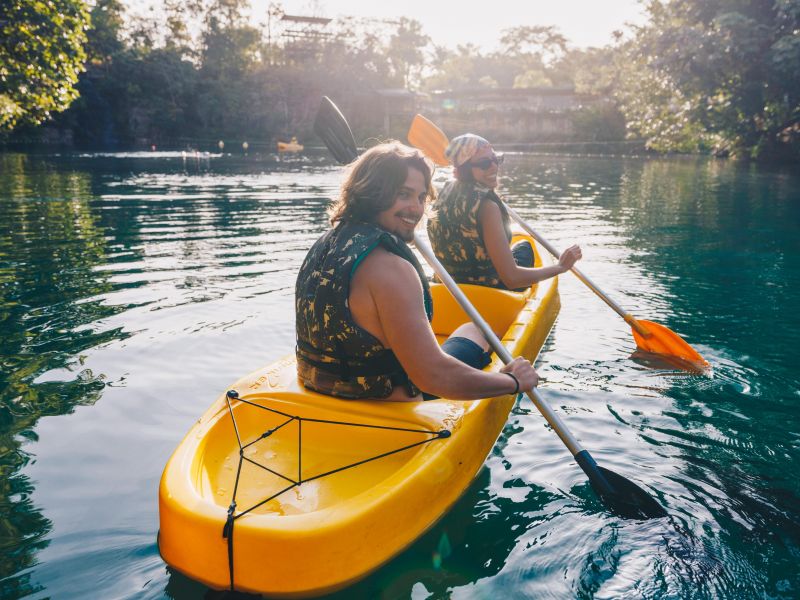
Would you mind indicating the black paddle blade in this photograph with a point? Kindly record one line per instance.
(627, 499)
(331, 126)
(621, 496)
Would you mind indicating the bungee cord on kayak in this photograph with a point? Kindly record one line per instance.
(227, 530)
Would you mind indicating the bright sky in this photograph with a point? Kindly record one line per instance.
(449, 23)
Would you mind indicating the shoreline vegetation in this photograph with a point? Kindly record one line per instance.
(700, 77)
(234, 147)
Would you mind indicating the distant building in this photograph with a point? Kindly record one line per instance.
(302, 36)
(382, 113)
(397, 106)
(523, 115)
(508, 114)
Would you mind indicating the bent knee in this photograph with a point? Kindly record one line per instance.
(471, 332)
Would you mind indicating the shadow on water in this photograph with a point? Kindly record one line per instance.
(50, 243)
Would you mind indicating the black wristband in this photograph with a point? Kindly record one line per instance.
(516, 382)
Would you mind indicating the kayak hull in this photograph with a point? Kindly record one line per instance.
(289, 147)
(328, 531)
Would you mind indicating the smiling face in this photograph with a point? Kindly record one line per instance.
(485, 177)
(409, 205)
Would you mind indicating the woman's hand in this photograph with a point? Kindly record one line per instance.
(569, 257)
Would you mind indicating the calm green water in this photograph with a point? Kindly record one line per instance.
(135, 288)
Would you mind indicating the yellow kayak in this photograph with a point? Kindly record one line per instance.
(292, 146)
(327, 490)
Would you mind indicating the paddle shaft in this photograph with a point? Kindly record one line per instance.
(555, 421)
(614, 306)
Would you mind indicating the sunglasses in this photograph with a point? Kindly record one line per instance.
(486, 163)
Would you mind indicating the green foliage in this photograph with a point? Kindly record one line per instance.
(230, 52)
(530, 56)
(545, 43)
(701, 75)
(104, 36)
(656, 110)
(41, 55)
(467, 67)
(590, 71)
(532, 78)
(602, 122)
(405, 50)
(718, 74)
(198, 71)
(457, 69)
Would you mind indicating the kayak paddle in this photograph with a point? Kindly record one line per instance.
(332, 127)
(649, 336)
(621, 496)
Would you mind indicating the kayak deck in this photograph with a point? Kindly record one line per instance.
(336, 487)
(321, 464)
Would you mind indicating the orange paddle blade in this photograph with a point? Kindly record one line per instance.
(663, 340)
(429, 138)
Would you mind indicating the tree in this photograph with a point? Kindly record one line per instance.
(542, 41)
(719, 74)
(590, 71)
(41, 55)
(104, 37)
(532, 78)
(230, 50)
(405, 50)
(466, 67)
(454, 69)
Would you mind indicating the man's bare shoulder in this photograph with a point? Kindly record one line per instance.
(386, 268)
(383, 263)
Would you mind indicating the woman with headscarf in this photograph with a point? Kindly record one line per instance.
(470, 229)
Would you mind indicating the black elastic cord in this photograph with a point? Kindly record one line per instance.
(233, 395)
(227, 532)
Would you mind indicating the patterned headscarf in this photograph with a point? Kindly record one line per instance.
(462, 148)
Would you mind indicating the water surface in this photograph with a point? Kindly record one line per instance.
(134, 288)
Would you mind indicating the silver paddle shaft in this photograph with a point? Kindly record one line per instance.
(556, 254)
(551, 417)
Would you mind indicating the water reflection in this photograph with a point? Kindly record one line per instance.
(50, 243)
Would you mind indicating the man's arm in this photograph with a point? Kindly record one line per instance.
(395, 289)
(490, 219)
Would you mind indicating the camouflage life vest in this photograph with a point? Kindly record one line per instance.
(335, 356)
(456, 237)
